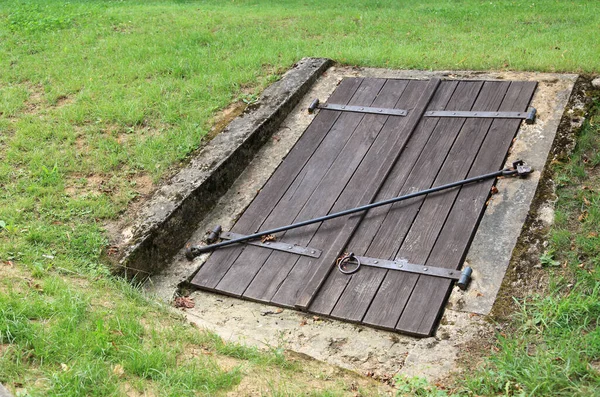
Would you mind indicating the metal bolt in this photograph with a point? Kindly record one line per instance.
(343, 107)
(400, 265)
(424, 269)
(290, 247)
(267, 243)
(375, 262)
(362, 108)
(313, 252)
(497, 114)
(380, 110)
(475, 114)
(454, 113)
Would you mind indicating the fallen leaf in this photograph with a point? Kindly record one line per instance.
(64, 367)
(592, 234)
(268, 237)
(267, 312)
(184, 302)
(582, 217)
(303, 322)
(118, 370)
(316, 318)
(586, 201)
(494, 190)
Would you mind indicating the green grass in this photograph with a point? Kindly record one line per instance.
(98, 99)
(555, 347)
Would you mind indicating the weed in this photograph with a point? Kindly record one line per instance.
(416, 386)
(557, 338)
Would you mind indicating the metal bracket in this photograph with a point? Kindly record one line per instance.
(356, 109)
(462, 277)
(276, 245)
(529, 115)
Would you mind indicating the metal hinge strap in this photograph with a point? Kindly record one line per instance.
(350, 263)
(276, 245)
(364, 109)
(529, 115)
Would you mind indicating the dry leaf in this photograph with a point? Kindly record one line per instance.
(582, 217)
(118, 370)
(303, 322)
(268, 237)
(64, 367)
(586, 201)
(494, 190)
(592, 234)
(184, 302)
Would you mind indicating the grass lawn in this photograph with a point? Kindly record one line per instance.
(99, 99)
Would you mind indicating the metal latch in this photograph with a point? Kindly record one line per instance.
(350, 263)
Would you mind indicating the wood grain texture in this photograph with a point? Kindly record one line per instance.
(426, 303)
(401, 216)
(213, 270)
(382, 165)
(390, 300)
(337, 282)
(278, 264)
(321, 179)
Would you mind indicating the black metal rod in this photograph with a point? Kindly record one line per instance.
(197, 250)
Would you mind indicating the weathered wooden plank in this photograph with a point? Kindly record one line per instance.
(361, 192)
(321, 179)
(278, 264)
(390, 300)
(336, 282)
(219, 262)
(400, 218)
(426, 302)
(290, 288)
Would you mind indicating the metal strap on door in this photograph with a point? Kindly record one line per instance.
(529, 115)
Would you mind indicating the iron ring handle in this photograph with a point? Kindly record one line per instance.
(346, 259)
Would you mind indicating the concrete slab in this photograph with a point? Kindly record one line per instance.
(360, 348)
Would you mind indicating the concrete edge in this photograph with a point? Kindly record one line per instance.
(170, 217)
(4, 392)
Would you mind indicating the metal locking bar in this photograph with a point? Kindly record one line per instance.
(519, 168)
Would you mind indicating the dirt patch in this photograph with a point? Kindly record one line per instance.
(224, 117)
(64, 100)
(307, 374)
(80, 185)
(35, 100)
(128, 390)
